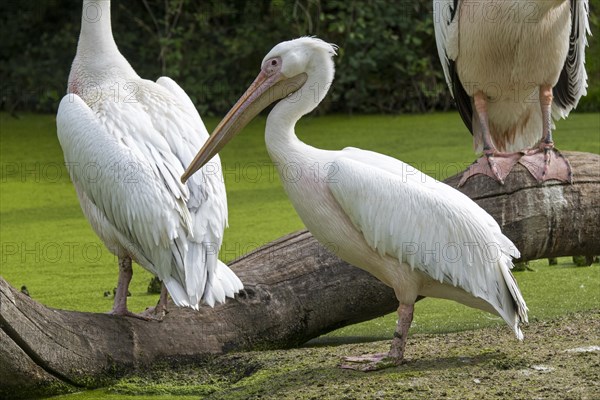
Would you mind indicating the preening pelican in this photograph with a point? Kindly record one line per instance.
(417, 235)
(518, 64)
(126, 141)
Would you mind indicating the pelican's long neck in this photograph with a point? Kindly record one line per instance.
(96, 32)
(98, 58)
(282, 143)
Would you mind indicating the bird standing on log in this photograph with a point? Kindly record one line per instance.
(419, 236)
(126, 141)
(511, 66)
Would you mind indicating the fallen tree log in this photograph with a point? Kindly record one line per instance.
(292, 293)
(295, 290)
(549, 220)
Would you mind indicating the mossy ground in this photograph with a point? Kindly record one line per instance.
(556, 360)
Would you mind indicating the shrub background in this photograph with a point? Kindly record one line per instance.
(387, 59)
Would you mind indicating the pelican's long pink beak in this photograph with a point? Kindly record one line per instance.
(263, 91)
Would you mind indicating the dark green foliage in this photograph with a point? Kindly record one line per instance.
(583, 261)
(154, 286)
(387, 59)
(38, 42)
(523, 266)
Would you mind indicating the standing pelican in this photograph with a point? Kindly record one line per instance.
(126, 141)
(518, 63)
(417, 235)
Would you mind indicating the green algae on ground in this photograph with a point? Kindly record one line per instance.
(558, 359)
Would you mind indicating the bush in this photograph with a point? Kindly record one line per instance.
(387, 59)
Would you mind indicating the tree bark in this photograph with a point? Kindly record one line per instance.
(549, 220)
(295, 290)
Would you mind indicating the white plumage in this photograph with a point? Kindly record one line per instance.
(525, 61)
(126, 141)
(393, 206)
(417, 235)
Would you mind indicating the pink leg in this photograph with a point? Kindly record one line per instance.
(160, 310)
(395, 356)
(494, 164)
(120, 304)
(125, 274)
(405, 312)
(162, 302)
(546, 98)
(481, 110)
(545, 162)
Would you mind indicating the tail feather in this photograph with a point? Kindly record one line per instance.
(202, 277)
(224, 283)
(197, 271)
(519, 308)
(231, 282)
(178, 294)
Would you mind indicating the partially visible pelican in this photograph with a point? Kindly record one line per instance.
(518, 64)
(417, 235)
(126, 141)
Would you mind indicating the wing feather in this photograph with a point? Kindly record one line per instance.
(147, 144)
(429, 226)
(208, 199)
(445, 15)
(446, 19)
(185, 142)
(123, 186)
(572, 82)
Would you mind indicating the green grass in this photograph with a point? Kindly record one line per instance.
(550, 291)
(48, 245)
(438, 366)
